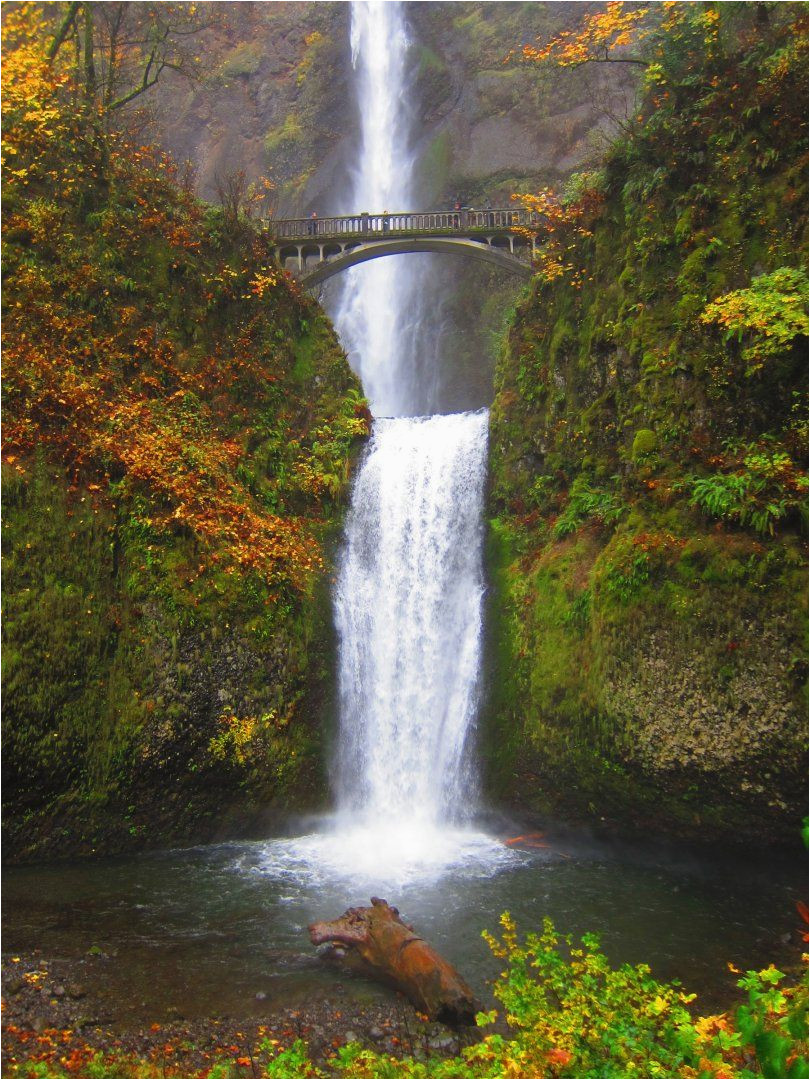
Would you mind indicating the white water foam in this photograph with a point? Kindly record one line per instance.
(361, 860)
(408, 613)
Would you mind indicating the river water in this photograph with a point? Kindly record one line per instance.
(202, 932)
(206, 930)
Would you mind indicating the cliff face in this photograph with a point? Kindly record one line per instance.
(648, 446)
(276, 99)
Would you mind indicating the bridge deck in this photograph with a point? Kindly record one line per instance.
(375, 226)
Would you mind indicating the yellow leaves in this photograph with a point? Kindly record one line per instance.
(559, 230)
(598, 34)
(264, 279)
(708, 1026)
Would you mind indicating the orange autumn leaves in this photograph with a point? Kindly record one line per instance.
(596, 38)
(563, 225)
(138, 350)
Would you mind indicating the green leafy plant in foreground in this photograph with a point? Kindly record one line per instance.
(573, 1015)
(763, 492)
(765, 318)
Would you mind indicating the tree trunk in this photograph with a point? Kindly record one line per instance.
(89, 57)
(377, 942)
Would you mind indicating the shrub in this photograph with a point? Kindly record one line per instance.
(765, 318)
(764, 492)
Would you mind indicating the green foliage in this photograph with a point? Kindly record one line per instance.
(613, 370)
(644, 443)
(587, 503)
(768, 316)
(763, 493)
(243, 59)
(774, 1023)
(574, 1010)
(289, 1063)
(580, 183)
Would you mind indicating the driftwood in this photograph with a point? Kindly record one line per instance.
(377, 942)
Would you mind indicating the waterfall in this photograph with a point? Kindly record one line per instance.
(409, 592)
(409, 588)
(408, 612)
(380, 313)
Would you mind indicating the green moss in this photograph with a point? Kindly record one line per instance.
(644, 442)
(646, 656)
(284, 136)
(244, 59)
(434, 165)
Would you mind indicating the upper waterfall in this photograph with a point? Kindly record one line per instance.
(378, 315)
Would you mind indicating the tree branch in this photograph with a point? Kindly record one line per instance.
(145, 84)
(63, 31)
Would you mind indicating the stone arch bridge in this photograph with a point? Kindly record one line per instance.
(316, 249)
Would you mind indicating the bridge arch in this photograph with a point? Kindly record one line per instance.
(485, 252)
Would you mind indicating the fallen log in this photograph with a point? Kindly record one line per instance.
(377, 942)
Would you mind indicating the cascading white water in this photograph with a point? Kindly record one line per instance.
(379, 315)
(408, 612)
(409, 593)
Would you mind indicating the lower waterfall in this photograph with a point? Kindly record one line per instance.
(408, 613)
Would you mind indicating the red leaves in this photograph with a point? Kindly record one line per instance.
(803, 914)
(558, 1056)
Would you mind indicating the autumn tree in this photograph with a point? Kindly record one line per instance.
(242, 199)
(602, 37)
(118, 51)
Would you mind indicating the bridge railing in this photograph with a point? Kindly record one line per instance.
(436, 221)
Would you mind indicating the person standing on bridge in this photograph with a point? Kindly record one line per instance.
(386, 224)
(313, 223)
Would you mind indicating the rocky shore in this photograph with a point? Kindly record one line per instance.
(59, 1012)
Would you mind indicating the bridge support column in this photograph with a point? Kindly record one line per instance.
(511, 243)
(320, 252)
(301, 263)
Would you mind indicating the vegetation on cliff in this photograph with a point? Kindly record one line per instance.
(178, 427)
(648, 445)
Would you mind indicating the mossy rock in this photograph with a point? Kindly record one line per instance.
(644, 443)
